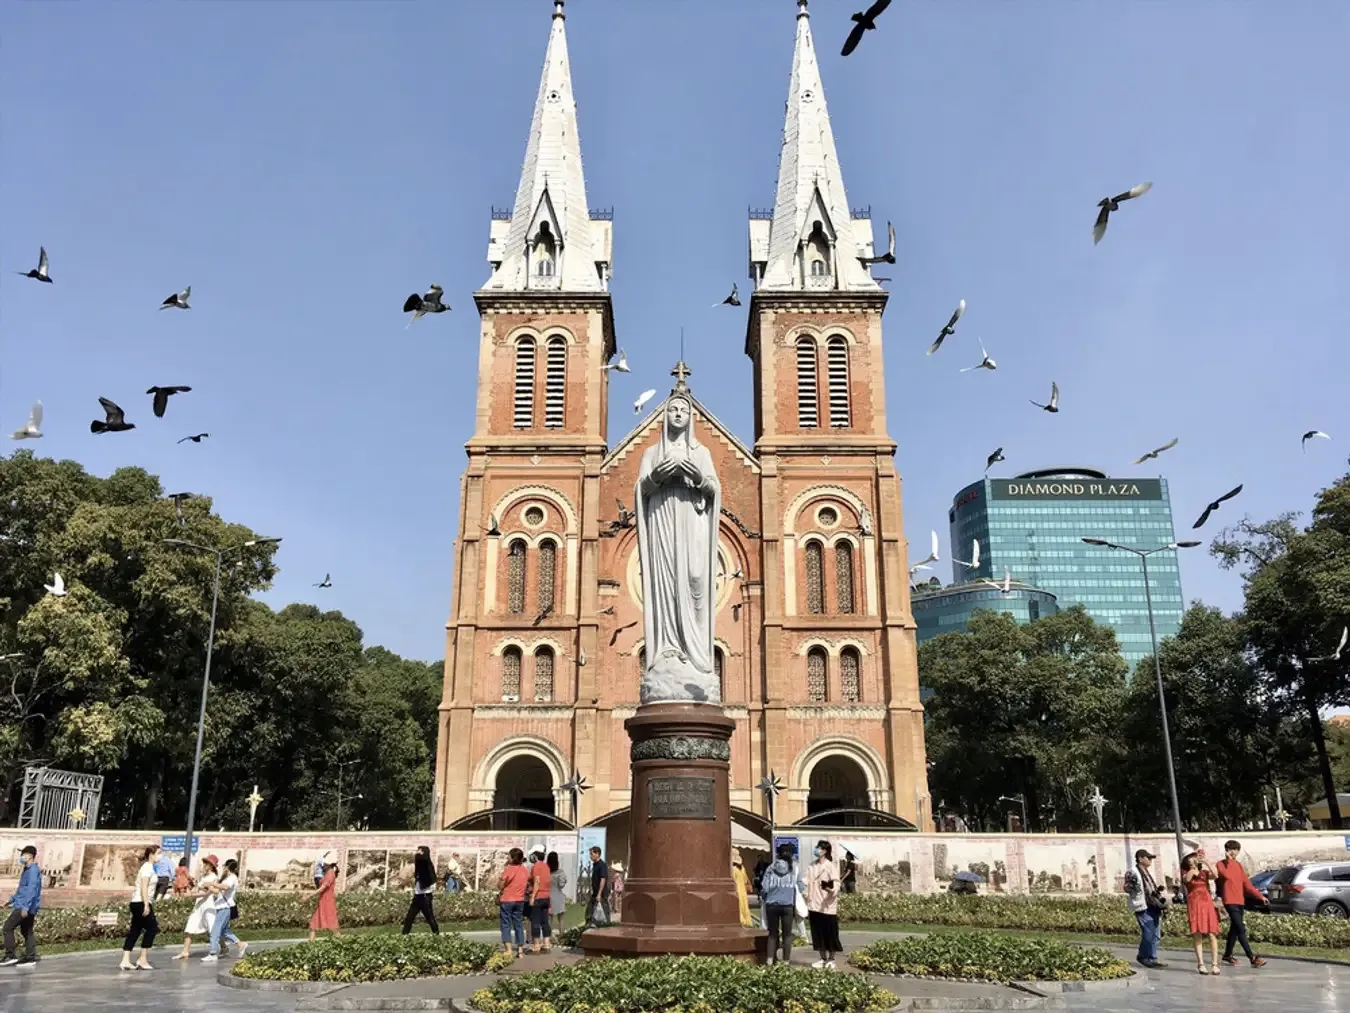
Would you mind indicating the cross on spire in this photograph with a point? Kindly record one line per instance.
(681, 373)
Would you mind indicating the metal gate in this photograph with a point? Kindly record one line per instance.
(59, 800)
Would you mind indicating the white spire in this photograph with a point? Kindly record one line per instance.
(811, 190)
(550, 222)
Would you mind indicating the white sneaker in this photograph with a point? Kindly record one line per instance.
(829, 965)
(819, 965)
(210, 958)
(243, 948)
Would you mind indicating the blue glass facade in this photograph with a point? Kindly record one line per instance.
(1033, 526)
(948, 609)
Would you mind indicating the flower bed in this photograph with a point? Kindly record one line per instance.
(682, 985)
(374, 958)
(982, 956)
(266, 911)
(1101, 915)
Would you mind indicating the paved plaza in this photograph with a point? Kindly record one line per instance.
(91, 983)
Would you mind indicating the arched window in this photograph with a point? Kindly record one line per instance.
(511, 673)
(544, 251)
(545, 266)
(808, 397)
(850, 686)
(717, 670)
(843, 576)
(515, 577)
(543, 674)
(815, 675)
(555, 382)
(836, 362)
(817, 269)
(815, 578)
(546, 579)
(523, 415)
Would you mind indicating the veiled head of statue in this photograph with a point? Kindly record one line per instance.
(678, 414)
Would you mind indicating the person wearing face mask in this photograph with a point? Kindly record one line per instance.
(822, 904)
(778, 895)
(25, 903)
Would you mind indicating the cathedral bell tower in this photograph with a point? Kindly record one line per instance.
(523, 601)
(836, 593)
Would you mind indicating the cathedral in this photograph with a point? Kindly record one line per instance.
(815, 641)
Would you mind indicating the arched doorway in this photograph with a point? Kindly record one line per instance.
(837, 782)
(523, 783)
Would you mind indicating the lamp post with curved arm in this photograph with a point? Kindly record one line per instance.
(219, 553)
(1143, 555)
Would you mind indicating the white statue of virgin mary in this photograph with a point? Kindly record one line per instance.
(679, 503)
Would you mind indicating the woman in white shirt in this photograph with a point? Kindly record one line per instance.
(204, 913)
(143, 923)
(822, 904)
(225, 891)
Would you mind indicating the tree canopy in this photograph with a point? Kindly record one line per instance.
(107, 679)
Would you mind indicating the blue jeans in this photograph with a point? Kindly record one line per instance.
(513, 920)
(1150, 934)
(221, 928)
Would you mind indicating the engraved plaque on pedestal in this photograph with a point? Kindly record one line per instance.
(681, 798)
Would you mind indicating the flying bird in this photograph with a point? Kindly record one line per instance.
(32, 430)
(732, 300)
(39, 273)
(420, 305)
(1215, 505)
(196, 439)
(1053, 406)
(886, 258)
(608, 610)
(162, 394)
(984, 363)
(932, 556)
(615, 635)
(643, 398)
(865, 22)
(994, 458)
(492, 529)
(178, 301)
(1006, 586)
(326, 582)
(621, 366)
(949, 329)
(57, 588)
(114, 420)
(1109, 204)
(1336, 655)
(581, 658)
(1154, 453)
(1312, 434)
(178, 499)
(974, 563)
(626, 516)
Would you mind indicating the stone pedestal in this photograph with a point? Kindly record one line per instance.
(679, 896)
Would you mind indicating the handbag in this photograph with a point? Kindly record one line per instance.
(799, 906)
(234, 912)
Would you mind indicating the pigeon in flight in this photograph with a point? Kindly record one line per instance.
(1006, 586)
(1154, 453)
(57, 588)
(619, 629)
(1215, 505)
(1109, 204)
(178, 301)
(626, 516)
(643, 398)
(1311, 434)
(492, 529)
(420, 305)
(1053, 406)
(32, 430)
(865, 22)
(196, 439)
(994, 458)
(326, 582)
(732, 300)
(974, 563)
(114, 421)
(1336, 656)
(39, 273)
(985, 361)
(621, 366)
(178, 500)
(949, 329)
(162, 398)
(932, 556)
(886, 258)
(608, 610)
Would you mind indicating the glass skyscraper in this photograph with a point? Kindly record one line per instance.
(947, 609)
(1033, 526)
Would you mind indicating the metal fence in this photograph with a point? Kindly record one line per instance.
(59, 800)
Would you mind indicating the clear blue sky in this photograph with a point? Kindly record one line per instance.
(304, 166)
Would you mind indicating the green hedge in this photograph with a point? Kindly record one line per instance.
(982, 956)
(265, 911)
(682, 985)
(1103, 915)
(374, 958)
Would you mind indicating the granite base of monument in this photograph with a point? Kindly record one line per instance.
(679, 896)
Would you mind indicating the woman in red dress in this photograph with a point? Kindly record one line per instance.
(325, 911)
(1200, 910)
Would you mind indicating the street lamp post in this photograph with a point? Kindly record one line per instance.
(253, 801)
(206, 675)
(1018, 798)
(340, 797)
(1143, 555)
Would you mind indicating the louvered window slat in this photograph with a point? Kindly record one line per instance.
(523, 416)
(808, 397)
(836, 358)
(555, 383)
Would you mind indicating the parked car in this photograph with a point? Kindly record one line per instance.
(1262, 882)
(1315, 888)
